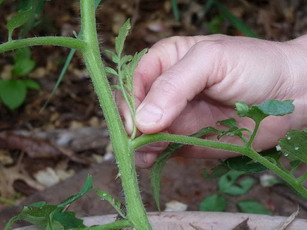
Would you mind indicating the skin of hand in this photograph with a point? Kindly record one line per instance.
(186, 83)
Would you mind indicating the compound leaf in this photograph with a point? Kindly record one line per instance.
(294, 146)
(213, 203)
(120, 39)
(252, 206)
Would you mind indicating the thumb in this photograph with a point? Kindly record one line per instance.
(171, 91)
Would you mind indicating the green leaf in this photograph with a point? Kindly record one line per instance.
(65, 67)
(111, 71)
(86, 187)
(68, 219)
(217, 171)
(1, 1)
(12, 92)
(116, 204)
(120, 39)
(236, 22)
(276, 108)
(267, 108)
(156, 170)
(244, 164)
(252, 206)
(294, 146)
(175, 9)
(228, 185)
(31, 84)
(18, 20)
(23, 64)
(213, 203)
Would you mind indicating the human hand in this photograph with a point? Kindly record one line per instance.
(186, 83)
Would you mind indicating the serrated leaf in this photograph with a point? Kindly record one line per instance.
(18, 20)
(156, 170)
(244, 164)
(135, 60)
(86, 187)
(116, 204)
(12, 92)
(294, 146)
(252, 206)
(213, 203)
(120, 39)
(217, 171)
(227, 183)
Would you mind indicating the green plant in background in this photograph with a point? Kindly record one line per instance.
(229, 184)
(13, 92)
(216, 22)
(132, 211)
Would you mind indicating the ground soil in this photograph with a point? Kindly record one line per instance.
(74, 107)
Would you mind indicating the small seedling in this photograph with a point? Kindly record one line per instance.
(230, 184)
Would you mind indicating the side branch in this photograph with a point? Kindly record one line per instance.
(68, 42)
(187, 140)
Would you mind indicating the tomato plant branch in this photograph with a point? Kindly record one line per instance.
(244, 150)
(114, 226)
(73, 43)
(123, 153)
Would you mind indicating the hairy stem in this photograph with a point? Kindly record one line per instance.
(68, 42)
(123, 153)
(244, 150)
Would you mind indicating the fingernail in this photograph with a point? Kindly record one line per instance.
(149, 114)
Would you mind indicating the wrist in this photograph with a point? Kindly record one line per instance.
(296, 54)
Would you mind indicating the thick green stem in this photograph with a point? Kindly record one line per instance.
(244, 150)
(68, 42)
(123, 153)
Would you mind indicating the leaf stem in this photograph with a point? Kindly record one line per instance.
(68, 42)
(252, 138)
(114, 226)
